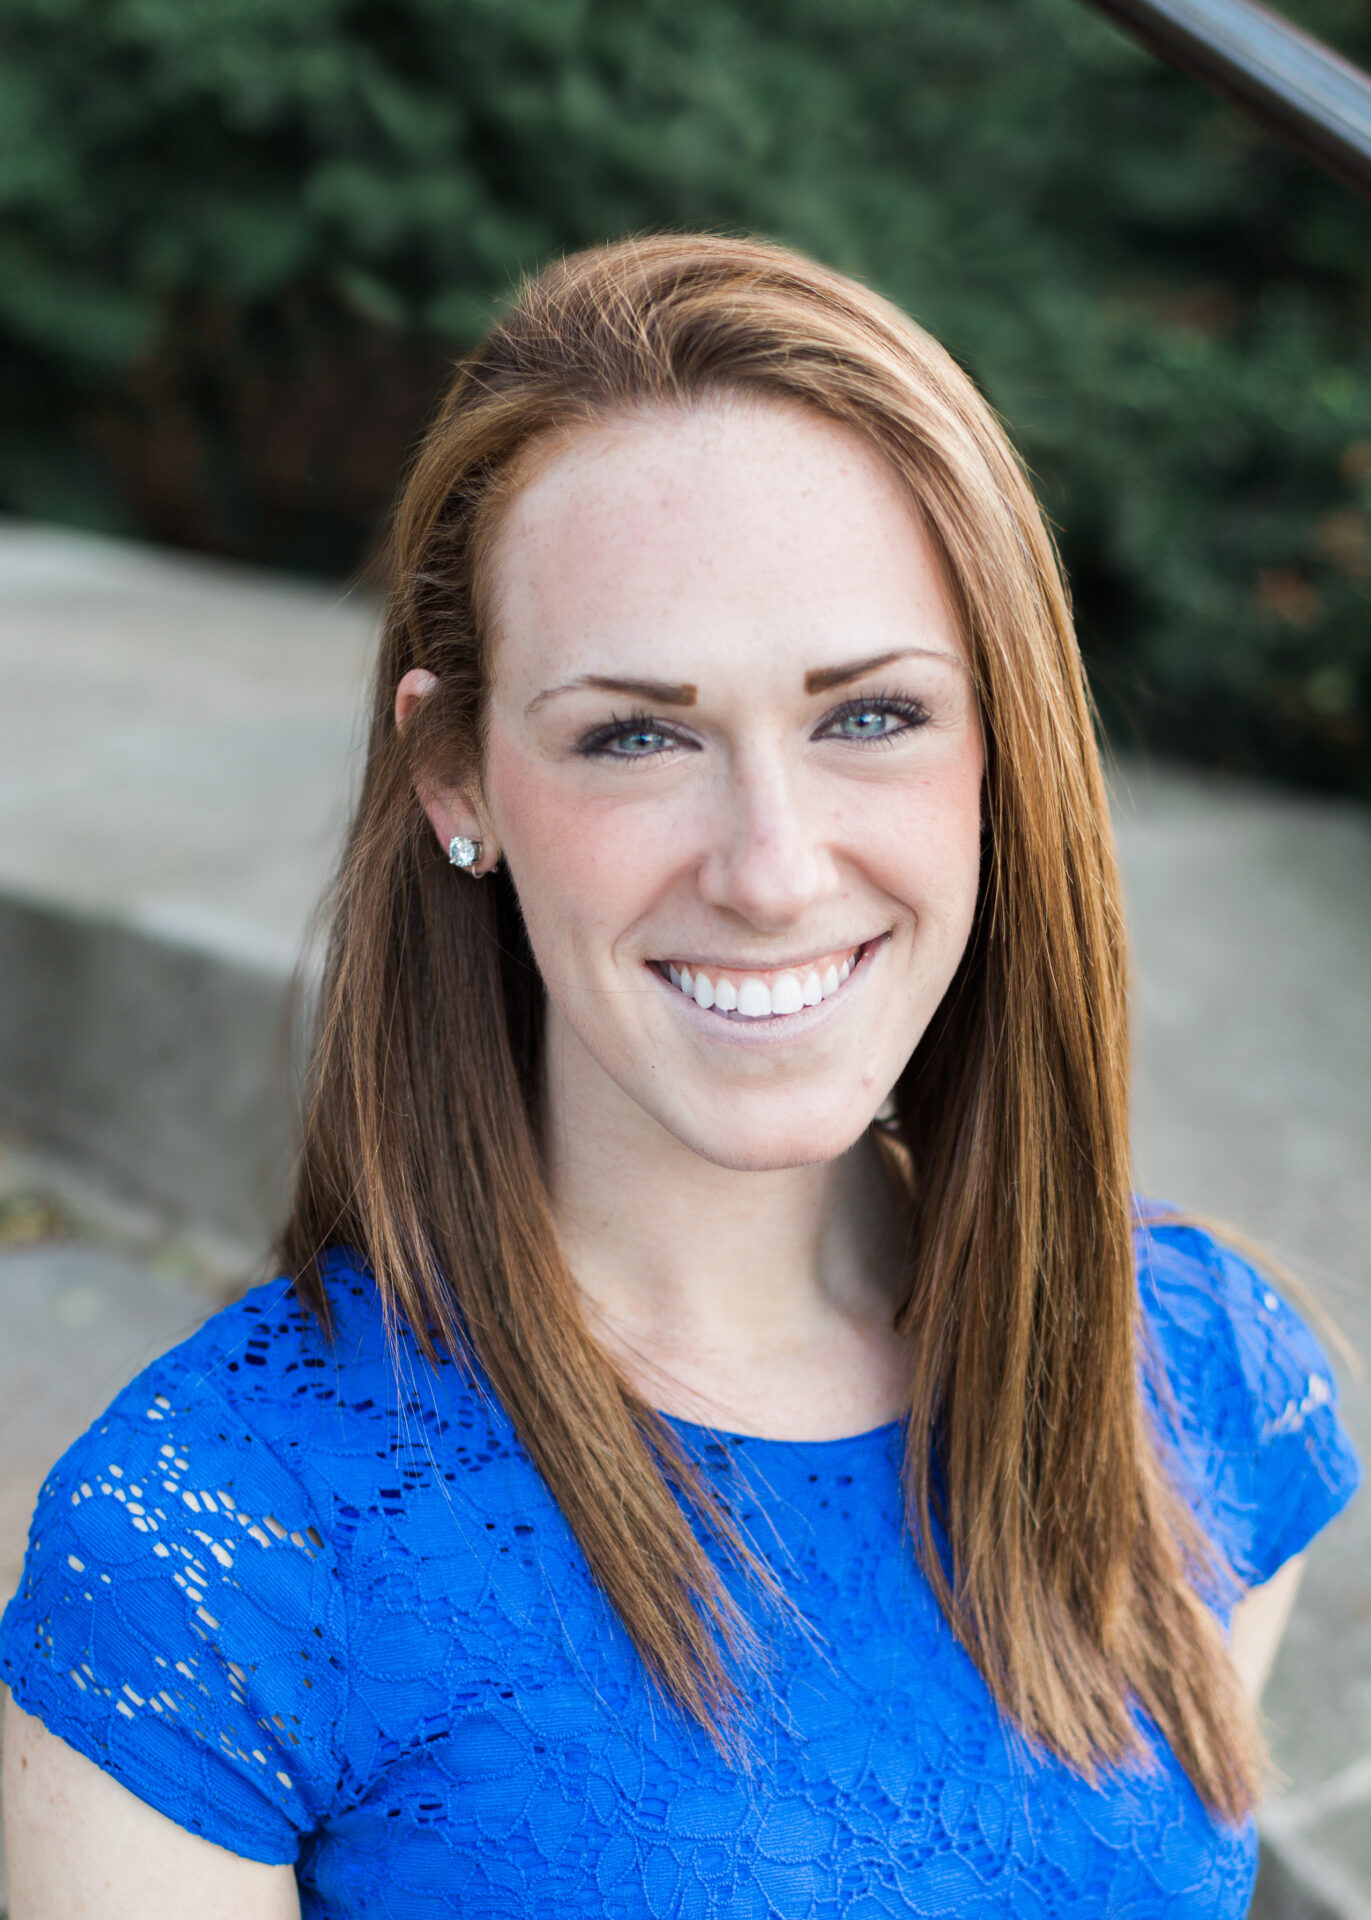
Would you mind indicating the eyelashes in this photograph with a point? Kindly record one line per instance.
(642, 736)
(602, 742)
(889, 706)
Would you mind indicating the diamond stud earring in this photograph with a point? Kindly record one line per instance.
(464, 853)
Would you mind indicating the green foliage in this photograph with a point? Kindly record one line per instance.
(240, 240)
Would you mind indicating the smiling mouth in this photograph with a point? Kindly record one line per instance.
(764, 993)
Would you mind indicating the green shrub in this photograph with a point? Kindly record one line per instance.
(240, 240)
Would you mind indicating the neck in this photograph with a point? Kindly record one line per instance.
(759, 1301)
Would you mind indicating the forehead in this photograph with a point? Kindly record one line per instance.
(733, 532)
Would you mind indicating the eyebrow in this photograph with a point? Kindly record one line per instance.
(824, 679)
(661, 693)
(683, 693)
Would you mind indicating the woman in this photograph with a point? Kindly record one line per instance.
(725, 1444)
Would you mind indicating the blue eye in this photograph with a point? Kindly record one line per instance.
(639, 741)
(882, 718)
(870, 724)
(637, 738)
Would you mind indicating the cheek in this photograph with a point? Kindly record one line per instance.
(581, 867)
(958, 816)
(958, 842)
(923, 843)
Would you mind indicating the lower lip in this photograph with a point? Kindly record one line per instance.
(775, 1026)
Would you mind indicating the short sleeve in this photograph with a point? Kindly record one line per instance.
(179, 1619)
(1244, 1399)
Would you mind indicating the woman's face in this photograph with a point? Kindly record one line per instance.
(734, 768)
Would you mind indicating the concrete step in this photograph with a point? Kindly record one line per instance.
(1250, 915)
(177, 755)
(178, 743)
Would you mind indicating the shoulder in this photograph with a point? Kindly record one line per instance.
(180, 1619)
(265, 1376)
(268, 1357)
(203, 1558)
(1241, 1393)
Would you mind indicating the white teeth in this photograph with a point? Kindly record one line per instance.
(787, 996)
(753, 999)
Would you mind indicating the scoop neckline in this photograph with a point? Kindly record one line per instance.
(728, 1436)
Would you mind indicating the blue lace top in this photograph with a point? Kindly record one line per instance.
(320, 1608)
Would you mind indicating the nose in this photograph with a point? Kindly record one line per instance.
(769, 859)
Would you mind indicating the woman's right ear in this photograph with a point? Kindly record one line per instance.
(453, 816)
(414, 686)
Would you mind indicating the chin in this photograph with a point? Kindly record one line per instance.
(767, 1142)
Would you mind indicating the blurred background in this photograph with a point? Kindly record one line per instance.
(241, 244)
(243, 239)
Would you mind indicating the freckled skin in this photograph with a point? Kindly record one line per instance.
(735, 549)
(735, 1241)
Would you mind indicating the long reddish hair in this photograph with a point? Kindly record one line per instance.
(1072, 1560)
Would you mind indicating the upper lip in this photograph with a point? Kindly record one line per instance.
(680, 957)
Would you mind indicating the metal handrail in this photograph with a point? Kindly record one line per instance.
(1285, 78)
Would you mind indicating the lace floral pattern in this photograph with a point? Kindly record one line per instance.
(314, 1603)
